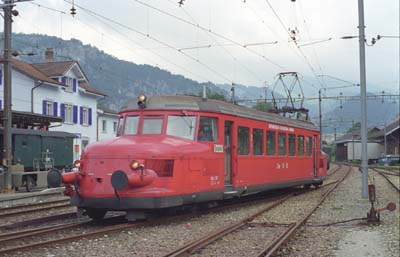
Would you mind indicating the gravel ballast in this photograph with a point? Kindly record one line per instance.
(345, 239)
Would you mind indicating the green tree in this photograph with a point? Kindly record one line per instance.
(356, 127)
(263, 106)
(213, 95)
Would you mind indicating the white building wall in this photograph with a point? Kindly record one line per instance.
(21, 101)
(21, 91)
(86, 134)
(109, 131)
(374, 150)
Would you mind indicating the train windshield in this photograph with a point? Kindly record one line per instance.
(152, 125)
(119, 130)
(181, 126)
(131, 125)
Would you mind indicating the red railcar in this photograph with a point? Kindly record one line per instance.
(178, 150)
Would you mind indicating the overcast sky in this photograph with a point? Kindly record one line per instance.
(235, 23)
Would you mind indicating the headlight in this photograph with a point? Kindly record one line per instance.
(135, 165)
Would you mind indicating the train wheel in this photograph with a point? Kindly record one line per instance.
(30, 184)
(306, 186)
(96, 214)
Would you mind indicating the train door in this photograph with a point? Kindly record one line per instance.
(314, 144)
(228, 152)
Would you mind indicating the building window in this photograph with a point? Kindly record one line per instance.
(104, 125)
(114, 126)
(68, 113)
(85, 116)
(49, 108)
(243, 141)
(69, 84)
(292, 145)
(258, 141)
(270, 143)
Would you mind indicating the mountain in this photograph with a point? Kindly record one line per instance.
(123, 80)
(379, 112)
(120, 80)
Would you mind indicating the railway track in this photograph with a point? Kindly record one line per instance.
(196, 245)
(387, 176)
(35, 207)
(27, 235)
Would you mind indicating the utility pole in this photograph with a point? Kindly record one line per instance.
(335, 134)
(7, 115)
(363, 89)
(320, 120)
(352, 138)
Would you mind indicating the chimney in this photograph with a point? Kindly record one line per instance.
(49, 55)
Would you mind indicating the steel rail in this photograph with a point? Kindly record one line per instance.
(38, 231)
(195, 245)
(273, 247)
(383, 174)
(32, 205)
(103, 231)
(7, 214)
(39, 220)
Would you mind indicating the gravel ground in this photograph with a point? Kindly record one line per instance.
(355, 238)
(312, 240)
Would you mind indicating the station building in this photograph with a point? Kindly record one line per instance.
(60, 89)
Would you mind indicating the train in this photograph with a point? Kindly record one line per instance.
(34, 152)
(178, 151)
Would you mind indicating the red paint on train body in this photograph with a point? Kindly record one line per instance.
(178, 150)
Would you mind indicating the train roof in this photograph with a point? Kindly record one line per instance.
(43, 133)
(211, 105)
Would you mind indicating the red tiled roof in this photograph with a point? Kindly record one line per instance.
(29, 70)
(53, 69)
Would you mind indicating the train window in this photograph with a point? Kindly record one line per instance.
(270, 143)
(131, 125)
(243, 140)
(258, 141)
(300, 145)
(308, 146)
(207, 129)
(282, 144)
(292, 145)
(181, 126)
(120, 122)
(152, 125)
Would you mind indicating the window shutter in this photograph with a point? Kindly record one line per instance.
(55, 109)
(90, 116)
(62, 111)
(74, 82)
(75, 114)
(64, 80)
(1, 104)
(44, 107)
(81, 115)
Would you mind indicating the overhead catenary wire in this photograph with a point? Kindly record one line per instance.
(154, 39)
(294, 41)
(211, 32)
(128, 47)
(221, 45)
